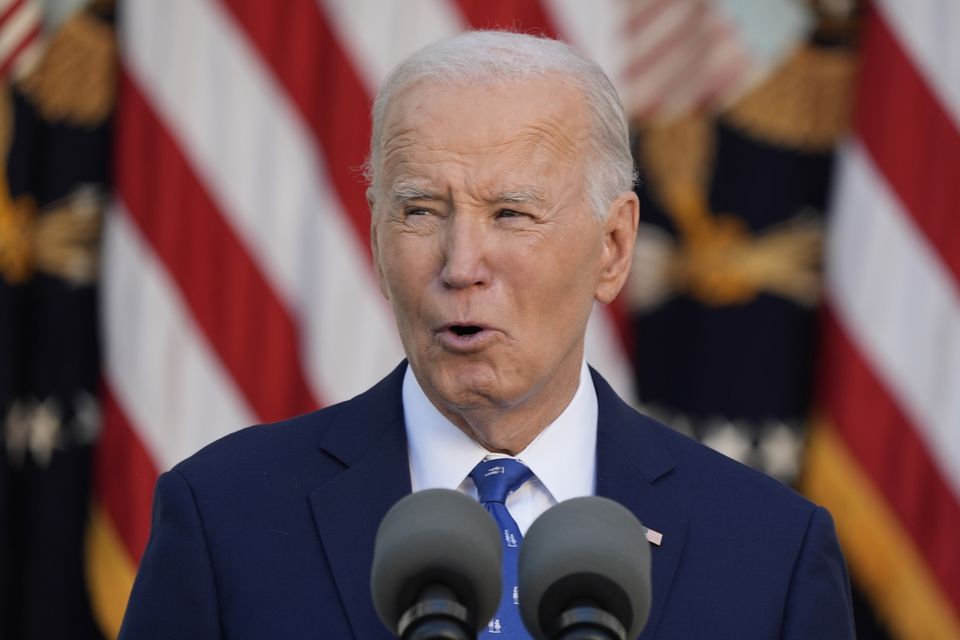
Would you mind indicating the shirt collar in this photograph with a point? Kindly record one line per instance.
(563, 456)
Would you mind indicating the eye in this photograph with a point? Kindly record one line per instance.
(413, 211)
(509, 213)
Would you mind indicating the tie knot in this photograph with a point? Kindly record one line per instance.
(496, 478)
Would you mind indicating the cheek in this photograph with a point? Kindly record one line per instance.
(567, 268)
(554, 289)
(405, 274)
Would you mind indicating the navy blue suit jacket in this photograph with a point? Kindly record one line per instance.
(268, 533)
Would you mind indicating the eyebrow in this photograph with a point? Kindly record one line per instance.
(524, 194)
(405, 192)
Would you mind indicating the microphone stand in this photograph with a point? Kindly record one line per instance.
(437, 615)
(583, 620)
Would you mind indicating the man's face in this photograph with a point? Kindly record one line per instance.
(484, 243)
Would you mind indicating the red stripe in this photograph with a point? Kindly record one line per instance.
(525, 16)
(28, 40)
(240, 315)
(123, 477)
(9, 11)
(911, 138)
(297, 42)
(892, 454)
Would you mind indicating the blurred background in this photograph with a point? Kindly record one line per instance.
(183, 252)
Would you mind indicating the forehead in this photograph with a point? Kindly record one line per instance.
(532, 128)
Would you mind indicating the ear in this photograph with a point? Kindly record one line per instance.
(375, 244)
(620, 235)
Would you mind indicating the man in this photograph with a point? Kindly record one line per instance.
(502, 212)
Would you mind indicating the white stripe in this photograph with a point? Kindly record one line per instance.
(899, 304)
(596, 29)
(255, 155)
(377, 35)
(927, 30)
(168, 381)
(17, 27)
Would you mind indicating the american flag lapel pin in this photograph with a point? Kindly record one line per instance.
(653, 537)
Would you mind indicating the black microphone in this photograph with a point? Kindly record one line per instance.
(585, 573)
(436, 567)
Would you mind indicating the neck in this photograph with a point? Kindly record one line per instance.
(510, 429)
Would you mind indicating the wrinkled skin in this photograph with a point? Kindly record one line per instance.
(486, 248)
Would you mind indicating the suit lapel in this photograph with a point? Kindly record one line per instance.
(630, 461)
(368, 438)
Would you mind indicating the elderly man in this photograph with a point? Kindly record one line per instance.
(502, 212)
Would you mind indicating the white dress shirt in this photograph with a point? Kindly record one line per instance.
(562, 457)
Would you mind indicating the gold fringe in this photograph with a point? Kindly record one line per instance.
(805, 105)
(880, 554)
(110, 573)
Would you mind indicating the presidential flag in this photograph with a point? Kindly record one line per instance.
(57, 74)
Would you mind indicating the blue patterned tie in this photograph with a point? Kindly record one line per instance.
(495, 479)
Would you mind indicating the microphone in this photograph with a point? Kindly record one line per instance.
(585, 573)
(436, 567)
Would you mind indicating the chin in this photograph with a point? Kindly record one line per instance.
(467, 384)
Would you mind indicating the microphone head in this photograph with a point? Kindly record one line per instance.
(436, 536)
(585, 549)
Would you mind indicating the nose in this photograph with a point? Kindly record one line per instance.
(465, 253)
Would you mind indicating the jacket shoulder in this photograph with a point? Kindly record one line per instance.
(707, 472)
(303, 442)
(709, 483)
(261, 449)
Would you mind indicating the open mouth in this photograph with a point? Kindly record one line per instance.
(466, 338)
(465, 330)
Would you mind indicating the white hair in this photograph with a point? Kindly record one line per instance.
(479, 57)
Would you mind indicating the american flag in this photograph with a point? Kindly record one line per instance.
(885, 457)
(654, 537)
